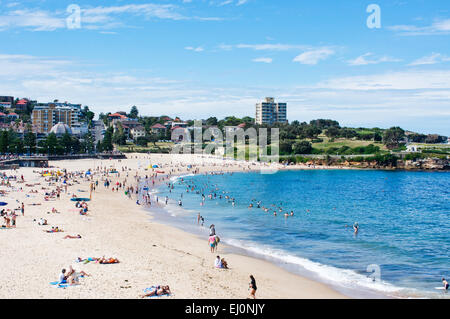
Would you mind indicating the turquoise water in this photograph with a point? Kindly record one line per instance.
(402, 248)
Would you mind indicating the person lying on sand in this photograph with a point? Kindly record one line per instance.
(158, 291)
(54, 230)
(111, 260)
(72, 237)
(86, 260)
(42, 222)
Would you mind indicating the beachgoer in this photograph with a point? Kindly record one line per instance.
(212, 243)
(62, 277)
(252, 287)
(72, 237)
(218, 262)
(356, 227)
(158, 291)
(212, 230)
(445, 284)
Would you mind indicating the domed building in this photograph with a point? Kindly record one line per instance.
(61, 129)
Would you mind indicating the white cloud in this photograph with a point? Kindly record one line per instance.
(197, 49)
(434, 58)
(263, 60)
(270, 47)
(404, 80)
(92, 17)
(387, 99)
(438, 27)
(364, 59)
(241, 2)
(313, 57)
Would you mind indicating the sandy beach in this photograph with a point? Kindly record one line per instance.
(115, 226)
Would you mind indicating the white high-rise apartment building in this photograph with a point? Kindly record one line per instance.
(269, 112)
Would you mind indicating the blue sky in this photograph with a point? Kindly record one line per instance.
(201, 58)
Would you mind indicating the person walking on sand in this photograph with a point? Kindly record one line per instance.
(212, 243)
(252, 287)
(212, 230)
(22, 209)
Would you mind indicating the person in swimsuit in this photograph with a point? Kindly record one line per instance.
(72, 237)
(212, 243)
(356, 227)
(445, 284)
(252, 287)
(158, 291)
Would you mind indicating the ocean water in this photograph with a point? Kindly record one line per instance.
(401, 250)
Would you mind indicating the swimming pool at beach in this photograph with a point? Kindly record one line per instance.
(402, 248)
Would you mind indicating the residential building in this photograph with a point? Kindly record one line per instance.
(47, 115)
(118, 116)
(270, 112)
(137, 131)
(6, 105)
(158, 129)
(13, 116)
(21, 105)
(9, 99)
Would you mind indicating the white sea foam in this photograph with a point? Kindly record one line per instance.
(329, 274)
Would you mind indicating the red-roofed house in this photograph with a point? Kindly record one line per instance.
(158, 129)
(13, 116)
(6, 105)
(117, 116)
(21, 105)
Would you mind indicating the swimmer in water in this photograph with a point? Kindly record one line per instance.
(356, 227)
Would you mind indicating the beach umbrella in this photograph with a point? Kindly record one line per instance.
(3, 204)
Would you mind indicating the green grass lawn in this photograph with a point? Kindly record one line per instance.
(339, 142)
(148, 148)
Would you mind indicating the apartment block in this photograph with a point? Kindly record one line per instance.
(269, 112)
(47, 115)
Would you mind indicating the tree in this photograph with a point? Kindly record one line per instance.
(393, 136)
(212, 121)
(153, 138)
(88, 143)
(4, 142)
(29, 140)
(141, 141)
(134, 112)
(286, 147)
(51, 143)
(119, 136)
(107, 140)
(66, 143)
(332, 132)
(99, 147)
(303, 147)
